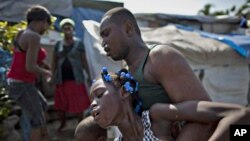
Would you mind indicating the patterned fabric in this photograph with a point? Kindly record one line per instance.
(148, 134)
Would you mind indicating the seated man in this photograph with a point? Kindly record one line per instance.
(89, 130)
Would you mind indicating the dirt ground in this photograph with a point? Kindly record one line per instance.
(67, 134)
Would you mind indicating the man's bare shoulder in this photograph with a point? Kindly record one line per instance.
(164, 53)
(163, 59)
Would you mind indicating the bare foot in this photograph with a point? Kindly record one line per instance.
(61, 127)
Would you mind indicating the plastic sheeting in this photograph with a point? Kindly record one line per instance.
(228, 83)
(199, 51)
(226, 73)
(5, 61)
(80, 14)
(240, 43)
(14, 10)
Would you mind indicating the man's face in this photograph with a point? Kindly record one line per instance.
(105, 103)
(113, 39)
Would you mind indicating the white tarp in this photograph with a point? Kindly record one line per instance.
(226, 74)
(14, 10)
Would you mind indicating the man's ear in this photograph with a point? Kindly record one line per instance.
(129, 27)
(123, 93)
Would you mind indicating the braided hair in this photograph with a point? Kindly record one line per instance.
(124, 79)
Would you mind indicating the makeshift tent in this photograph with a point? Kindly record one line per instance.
(221, 24)
(14, 10)
(223, 72)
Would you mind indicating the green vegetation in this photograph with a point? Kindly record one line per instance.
(5, 107)
(206, 10)
(7, 34)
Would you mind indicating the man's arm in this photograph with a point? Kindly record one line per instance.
(219, 115)
(86, 66)
(173, 72)
(176, 76)
(195, 111)
(33, 46)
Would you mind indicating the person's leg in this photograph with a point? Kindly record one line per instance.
(44, 133)
(61, 115)
(39, 134)
(79, 116)
(25, 126)
(35, 105)
(35, 134)
(17, 93)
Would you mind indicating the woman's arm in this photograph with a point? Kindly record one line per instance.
(85, 65)
(45, 65)
(33, 46)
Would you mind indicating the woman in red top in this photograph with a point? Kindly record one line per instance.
(27, 64)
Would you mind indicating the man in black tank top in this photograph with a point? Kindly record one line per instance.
(163, 72)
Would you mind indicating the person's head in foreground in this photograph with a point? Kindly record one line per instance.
(89, 130)
(38, 17)
(114, 96)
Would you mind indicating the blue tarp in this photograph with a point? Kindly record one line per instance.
(240, 43)
(5, 61)
(80, 14)
(5, 58)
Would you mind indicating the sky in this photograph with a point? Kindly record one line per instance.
(183, 7)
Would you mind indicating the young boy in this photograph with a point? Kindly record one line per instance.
(89, 130)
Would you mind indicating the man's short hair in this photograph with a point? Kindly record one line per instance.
(38, 13)
(120, 15)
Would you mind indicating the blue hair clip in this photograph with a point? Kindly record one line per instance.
(136, 87)
(122, 74)
(128, 88)
(107, 78)
(105, 75)
(138, 107)
(104, 70)
(127, 75)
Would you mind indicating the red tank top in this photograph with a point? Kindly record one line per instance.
(18, 70)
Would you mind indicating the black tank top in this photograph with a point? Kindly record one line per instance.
(150, 93)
